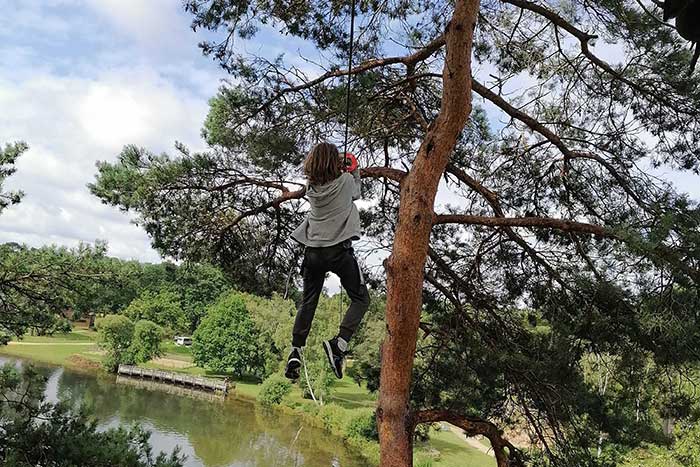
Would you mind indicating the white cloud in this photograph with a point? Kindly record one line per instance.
(81, 106)
(138, 106)
(70, 123)
(155, 24)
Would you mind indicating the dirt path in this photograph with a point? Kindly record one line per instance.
(51, 343)
(471, 441)
(172, 363)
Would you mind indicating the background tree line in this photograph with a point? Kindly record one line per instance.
(36, 286)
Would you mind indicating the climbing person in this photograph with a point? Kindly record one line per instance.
(327, 234)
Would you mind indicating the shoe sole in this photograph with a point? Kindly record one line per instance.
(329, 354)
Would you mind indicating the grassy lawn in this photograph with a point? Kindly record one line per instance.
(63, 350)
(348, 394)
(173, 350)
(56, 350)
(453, 452)
(54, 353)
(84, 336)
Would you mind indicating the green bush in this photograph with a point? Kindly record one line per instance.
(650, 455)
(273, 390)
(422, 432)
(116, 335)
(145, 344)
(363, 426)
(687, 445)
(335, 418)
(61, 326)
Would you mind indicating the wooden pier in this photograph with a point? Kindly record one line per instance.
(170, 377)
(169, 388)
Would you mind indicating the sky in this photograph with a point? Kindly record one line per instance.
(79, 79)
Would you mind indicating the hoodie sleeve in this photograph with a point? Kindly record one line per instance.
(357, 188)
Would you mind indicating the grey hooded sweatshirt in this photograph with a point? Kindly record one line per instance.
(333, 217)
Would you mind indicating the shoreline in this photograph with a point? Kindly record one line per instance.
(85, 365)
(332, 417)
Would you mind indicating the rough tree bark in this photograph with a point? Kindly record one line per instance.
(405, 266)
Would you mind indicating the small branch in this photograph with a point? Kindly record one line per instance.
(490, 196)
(553, 138)
(411, 59)
(554, 18)
(286, 196)
(584, 39)
(533, 124)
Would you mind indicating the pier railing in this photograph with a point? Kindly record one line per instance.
(175, 378)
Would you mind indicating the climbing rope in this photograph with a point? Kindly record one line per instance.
(347, 117)
(345, 143)
(348, 85)
(306, 374)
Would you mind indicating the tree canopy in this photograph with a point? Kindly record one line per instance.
(38, 284)
(226, 338)
(162, 308)
(8, 157)
(552, 240)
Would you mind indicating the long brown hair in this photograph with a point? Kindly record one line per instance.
(323, 164)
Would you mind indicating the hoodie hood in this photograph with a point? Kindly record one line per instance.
(322, 195)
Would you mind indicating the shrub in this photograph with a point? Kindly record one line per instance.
(363, 426)
(116, 334)
(61, 326)
(686, 448)
(145, 344)
(273, 390)
(334, 418)
(422, 432)
(649, 455)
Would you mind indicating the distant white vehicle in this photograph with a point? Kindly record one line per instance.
(183, 340)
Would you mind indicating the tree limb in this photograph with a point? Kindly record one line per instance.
(584, 39)
(475, 426)
(368, 172)
(535, 222)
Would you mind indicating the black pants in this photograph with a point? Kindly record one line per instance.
(340, 260)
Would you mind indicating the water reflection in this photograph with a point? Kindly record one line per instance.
(212, 433)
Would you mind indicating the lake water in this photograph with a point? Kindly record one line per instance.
(211, 431)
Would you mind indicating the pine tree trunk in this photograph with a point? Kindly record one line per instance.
(405, 265)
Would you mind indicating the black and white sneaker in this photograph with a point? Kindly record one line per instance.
(336, 357)
(291, 371)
